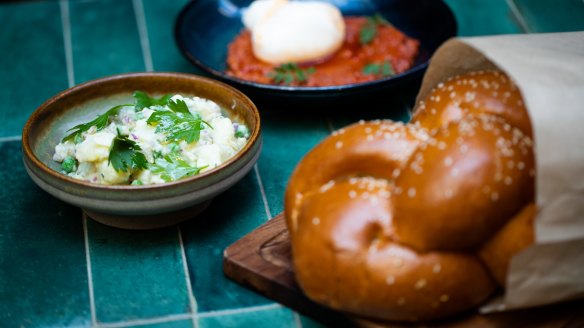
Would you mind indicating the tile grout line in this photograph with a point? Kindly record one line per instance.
(192, 300)
(89, 272)
(67, 43)
(517, 14)
(184, 316)
(9, 139)
(262, 192)
(221, 313)
(143, 31)
(131, 323)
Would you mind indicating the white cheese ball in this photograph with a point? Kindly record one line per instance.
(294, 31)
(95, 147)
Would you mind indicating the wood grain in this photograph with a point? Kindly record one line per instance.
(261, 261)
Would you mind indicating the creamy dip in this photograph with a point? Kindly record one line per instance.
(153, 144)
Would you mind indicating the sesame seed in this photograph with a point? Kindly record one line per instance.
(440, 85)
(437, 99)
(420, 284)
(401, 301)
(316, 221)
(369, 137)
(325, 187)
(398, 261)
(390, 280)
(508, 181)
(361, 122)
(510, 164)
(396, 173)
(444, 298)
(398, 190)
(437, 268)
(367, 130)
(432, 111)
(448, 193)
(352, 194)
(494, 196)
(463, 149)
(520, 165)
(412, 192)
(448, 161)
(339, 144)
(452, 95)
(441, 145)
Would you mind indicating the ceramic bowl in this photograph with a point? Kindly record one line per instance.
(134, 207)
(204, 28)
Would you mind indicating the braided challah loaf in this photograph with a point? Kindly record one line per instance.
(418, 221)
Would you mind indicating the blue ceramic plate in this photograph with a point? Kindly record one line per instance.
(204, 29)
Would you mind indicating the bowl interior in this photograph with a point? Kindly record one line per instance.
(205, 28)
(48, 125)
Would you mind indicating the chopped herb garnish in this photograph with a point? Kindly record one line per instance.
(126, 155)
(178, 106)
(69, 164)
(137, 183)
(242, 131)
(145, 101)
(369, 29)
(383, 69)
(289, 73)
(172, 167)
(178, 126)
(100, 123)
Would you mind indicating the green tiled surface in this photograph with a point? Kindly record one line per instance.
(230, 216)
(140, 279)
(43, 276)
(104, 32)
(32, 31)
(279, 317)
(136, 274)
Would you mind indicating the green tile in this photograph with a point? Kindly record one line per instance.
(136, 274)
(43, 272)
(172, 324)
(105, 39)
(286, 141)
(160, 19)
(279, 317)
(32, 65)
(551, 15)
(483, 17)
(230, 216)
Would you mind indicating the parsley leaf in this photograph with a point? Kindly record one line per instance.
(289, 72)
(369, 29)
(100, 123)
(126, 155)
(384, 69)
(145, 101)
(178, 106)
(172, 167)
(178, 126)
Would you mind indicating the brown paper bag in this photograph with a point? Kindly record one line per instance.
(549, 70)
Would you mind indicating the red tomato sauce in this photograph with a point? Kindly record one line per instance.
(343, 67)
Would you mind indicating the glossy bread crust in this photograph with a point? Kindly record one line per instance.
(419, 221)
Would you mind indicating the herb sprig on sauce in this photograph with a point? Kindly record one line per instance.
(379, 69)
(290, 72)
(369, 30)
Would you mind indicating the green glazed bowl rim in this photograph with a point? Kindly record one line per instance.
(47, 105)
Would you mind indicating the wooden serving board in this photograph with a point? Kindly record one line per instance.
(261, 261)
